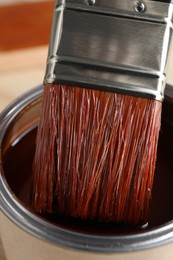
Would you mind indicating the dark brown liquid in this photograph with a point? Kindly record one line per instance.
(17, 164)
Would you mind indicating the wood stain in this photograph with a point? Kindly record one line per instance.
(17, 163)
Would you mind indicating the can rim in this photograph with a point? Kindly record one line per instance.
(40, 228)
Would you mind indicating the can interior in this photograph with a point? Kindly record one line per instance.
(25, 120)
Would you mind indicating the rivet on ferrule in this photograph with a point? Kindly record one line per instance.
(90, 2)
(140, 7)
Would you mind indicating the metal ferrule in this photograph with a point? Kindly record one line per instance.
(117, 46)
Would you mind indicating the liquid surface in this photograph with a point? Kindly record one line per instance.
(17, 165)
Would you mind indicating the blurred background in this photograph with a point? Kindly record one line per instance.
(24, 37)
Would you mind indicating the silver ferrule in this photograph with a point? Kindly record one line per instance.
(117, 46)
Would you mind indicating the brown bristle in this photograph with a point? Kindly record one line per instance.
(95, 154)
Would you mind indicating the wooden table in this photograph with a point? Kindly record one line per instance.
(20, 71)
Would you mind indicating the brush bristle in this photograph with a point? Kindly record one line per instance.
(95, 154)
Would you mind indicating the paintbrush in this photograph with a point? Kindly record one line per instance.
(97, 137)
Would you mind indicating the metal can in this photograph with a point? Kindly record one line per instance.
(27, 236)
